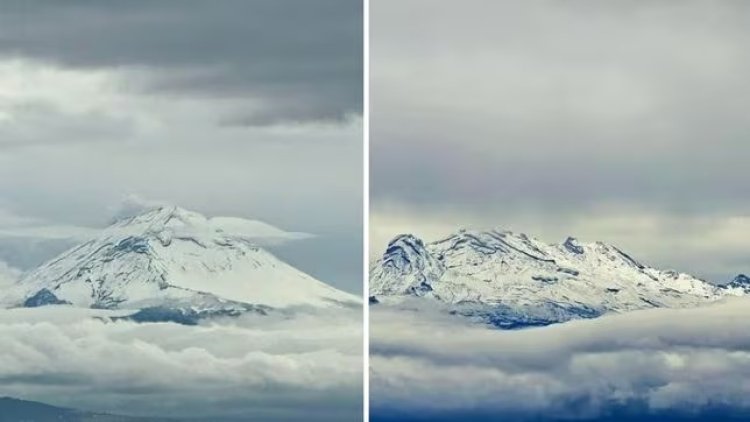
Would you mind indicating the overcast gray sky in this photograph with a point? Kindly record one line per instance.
(241, 108)
(625, 122)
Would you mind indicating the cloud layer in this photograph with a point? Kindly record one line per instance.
(261, 368)
(297, 61)
(8, 274)
(685, 361)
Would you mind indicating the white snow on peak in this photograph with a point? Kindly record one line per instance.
(503, 269)
(176, 221)
(169, 256)
(740, 284)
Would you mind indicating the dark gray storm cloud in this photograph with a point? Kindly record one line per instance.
(495, 111)
(301, 60)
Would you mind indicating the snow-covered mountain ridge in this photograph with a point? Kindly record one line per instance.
(169, 258)
(741, 282)
(511, 279)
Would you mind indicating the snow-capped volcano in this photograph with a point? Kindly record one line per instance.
(512, 279)
(169, 257)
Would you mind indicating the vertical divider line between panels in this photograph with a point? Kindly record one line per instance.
(366, 212)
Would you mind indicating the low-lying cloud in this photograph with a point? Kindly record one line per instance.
(659, 361)
(254, 367)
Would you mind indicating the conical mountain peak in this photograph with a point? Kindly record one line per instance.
(170, 221)
(169, 256)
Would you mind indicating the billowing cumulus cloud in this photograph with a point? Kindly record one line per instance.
(556, 118)
(689, 361)
(261, 367)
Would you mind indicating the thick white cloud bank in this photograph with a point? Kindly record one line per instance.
(689, 361)
(267, 368)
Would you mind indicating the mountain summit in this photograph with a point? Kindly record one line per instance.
(171, 258)
(741, 282)
(511, 279)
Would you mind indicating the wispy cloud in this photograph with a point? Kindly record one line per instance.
(15, 226)
(8, 274)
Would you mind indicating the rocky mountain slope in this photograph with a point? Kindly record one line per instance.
(513, 280)
(169, 259)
